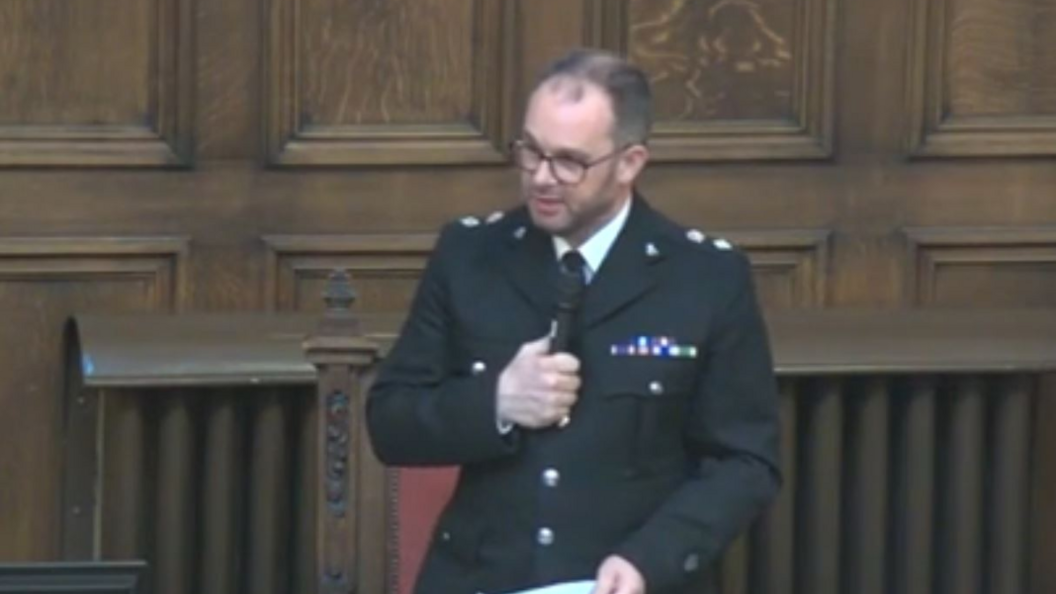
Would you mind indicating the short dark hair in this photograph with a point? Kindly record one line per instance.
(625, 84)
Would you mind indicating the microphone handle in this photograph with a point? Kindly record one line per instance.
(560, 332)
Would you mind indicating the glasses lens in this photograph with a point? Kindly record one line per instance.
(568, 171)
(526, 157)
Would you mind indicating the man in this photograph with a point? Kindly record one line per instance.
(633, 459)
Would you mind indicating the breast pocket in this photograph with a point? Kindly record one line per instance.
(655, 393)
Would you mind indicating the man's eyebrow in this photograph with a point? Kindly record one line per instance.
(561, 152)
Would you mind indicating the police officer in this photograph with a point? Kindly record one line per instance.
(638, 455)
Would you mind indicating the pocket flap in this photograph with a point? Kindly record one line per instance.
(647, 377)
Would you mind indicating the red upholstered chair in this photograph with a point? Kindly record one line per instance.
(421, 495)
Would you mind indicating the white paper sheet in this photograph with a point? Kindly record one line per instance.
(580, 587)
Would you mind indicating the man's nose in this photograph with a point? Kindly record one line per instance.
(544, 175)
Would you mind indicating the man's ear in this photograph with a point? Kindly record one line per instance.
(632, 161)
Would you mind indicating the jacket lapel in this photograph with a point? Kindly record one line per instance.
(528, 263)
(629, 270)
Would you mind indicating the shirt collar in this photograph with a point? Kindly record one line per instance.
(598, 245)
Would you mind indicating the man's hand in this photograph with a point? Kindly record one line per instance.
(617, 576)
(537, 389)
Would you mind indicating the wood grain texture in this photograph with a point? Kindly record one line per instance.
(980, 78)
(732, 79)
(105, 83)
(400, 82)
(1001, 60)
(386, 63)
(88, 43)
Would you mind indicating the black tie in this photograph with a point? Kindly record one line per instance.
(573, 264)
(570, 285)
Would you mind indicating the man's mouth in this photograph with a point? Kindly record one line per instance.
(546, 205)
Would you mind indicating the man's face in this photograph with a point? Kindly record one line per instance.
(573, 120)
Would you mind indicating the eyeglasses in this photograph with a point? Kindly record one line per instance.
(566, 170)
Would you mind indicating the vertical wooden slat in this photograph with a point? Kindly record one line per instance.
(961, 506)
(80, 464)
(1043, 489)
(175, 500)
(124, 496)
(818, 551)
(1010, 462)
(373, 500)
(915, 491)
(222, 495)
(268, 515)
(733, 571)
(772, 538)
(304, 552)
(866, 532)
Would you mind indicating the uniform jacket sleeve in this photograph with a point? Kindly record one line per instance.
(733, 432)
(421, 411)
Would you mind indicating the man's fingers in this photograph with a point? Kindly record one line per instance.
(617, 576)
(560, 402)
(561, 363)
(557, 382)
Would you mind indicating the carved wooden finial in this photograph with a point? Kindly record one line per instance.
(339, 294)
(338, 319)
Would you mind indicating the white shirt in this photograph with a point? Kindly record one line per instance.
(597, 246)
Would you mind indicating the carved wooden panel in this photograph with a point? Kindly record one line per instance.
(732, 79)
(96, 83)
(395, 82)
(982, 78)
(790, 268)
(42, 282)
(983, 267)
(384, 268)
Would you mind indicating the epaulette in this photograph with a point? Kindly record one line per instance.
(471, 222)
(698, 237)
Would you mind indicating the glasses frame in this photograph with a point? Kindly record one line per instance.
(519, 145)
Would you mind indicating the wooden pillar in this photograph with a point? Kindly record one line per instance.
(343, 359)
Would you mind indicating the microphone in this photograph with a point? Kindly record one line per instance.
(570, 287)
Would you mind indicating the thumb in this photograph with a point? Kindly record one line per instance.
(606, 581)
(539, 346)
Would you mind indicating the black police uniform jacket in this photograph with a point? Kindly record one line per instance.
(667, 457)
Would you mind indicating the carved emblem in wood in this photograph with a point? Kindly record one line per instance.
(337, 446)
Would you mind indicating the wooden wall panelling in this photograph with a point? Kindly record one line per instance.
(42, 282)
(981, 78)
(384, 268)
(790, 267)
(1007, 267)
(97, 84)
(731, 80)
(397, 83)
